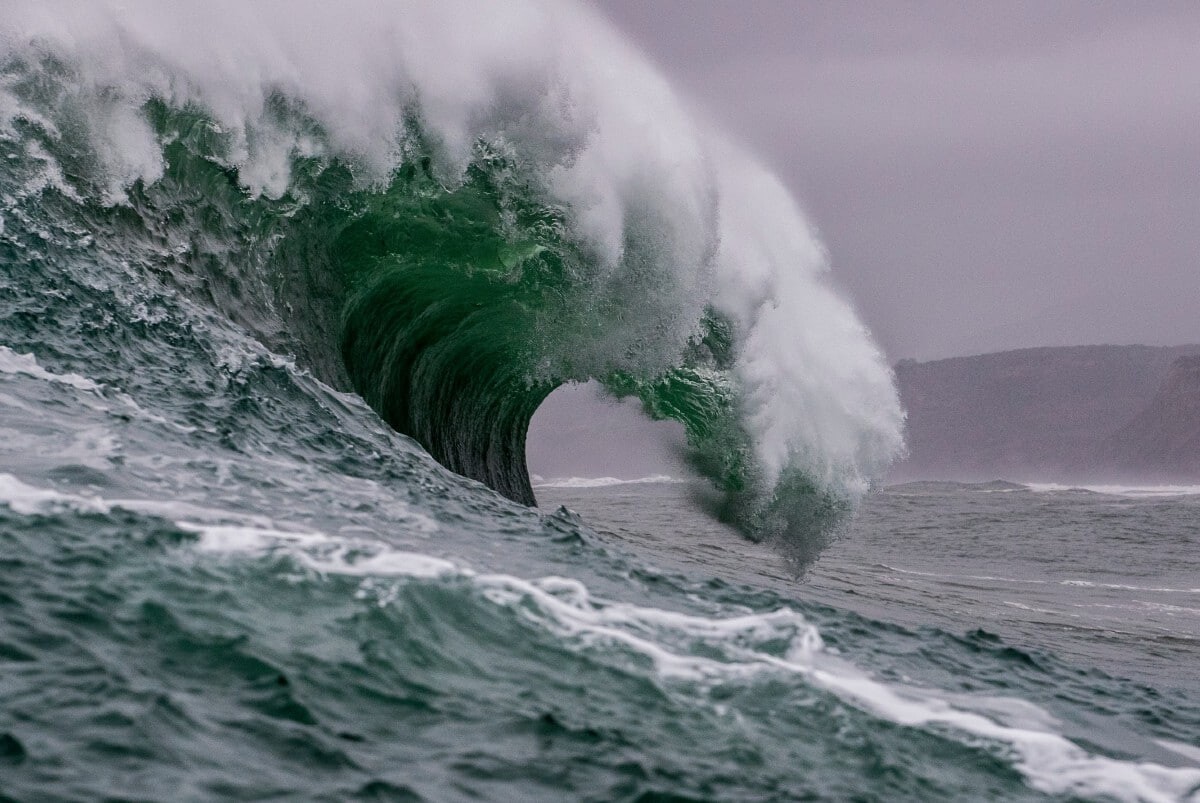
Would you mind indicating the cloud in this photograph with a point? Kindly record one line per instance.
(987, 178)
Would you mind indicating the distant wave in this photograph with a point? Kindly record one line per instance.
(602, 482)
(950, 486)
(1118, 490)
(1033, 581)
(1004, 486)
(1123, 587)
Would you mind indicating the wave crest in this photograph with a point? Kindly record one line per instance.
(454, 210)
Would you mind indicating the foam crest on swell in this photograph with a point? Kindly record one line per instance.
(697, 654)
(470, 204)
(13, 363)
(690, 655)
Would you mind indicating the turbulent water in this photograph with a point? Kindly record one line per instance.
(279, 284)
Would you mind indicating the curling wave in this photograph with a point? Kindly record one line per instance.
(453, 211)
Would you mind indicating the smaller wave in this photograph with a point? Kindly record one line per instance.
(1118, 490)
(603, 482)
(29, 500)
(1021, 606)
(1121, 587)
(941, 576)
(702, 653)
(12, 362)
(225, 528)
(920, 487)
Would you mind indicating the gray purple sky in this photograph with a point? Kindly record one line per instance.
(985, 175)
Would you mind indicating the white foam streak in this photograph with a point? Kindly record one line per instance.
(13, 363)
(1123, 587)
(1052, 763)
(602, 482)
(29, 500)
(319, 552)
(1188, 751)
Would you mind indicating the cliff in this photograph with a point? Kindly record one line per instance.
(1084, 412)
(1164, 438)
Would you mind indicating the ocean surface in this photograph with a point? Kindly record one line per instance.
(1106, 576)
(238, 605)
(270, 271)
(235, 604)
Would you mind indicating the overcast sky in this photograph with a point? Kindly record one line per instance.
(986, 176)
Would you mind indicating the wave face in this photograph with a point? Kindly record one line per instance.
(453, 211)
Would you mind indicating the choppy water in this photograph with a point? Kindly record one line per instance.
(1105, 579)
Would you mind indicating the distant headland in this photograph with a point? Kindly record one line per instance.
(1056, 413)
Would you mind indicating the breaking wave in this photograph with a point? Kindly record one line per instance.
(451, 209)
